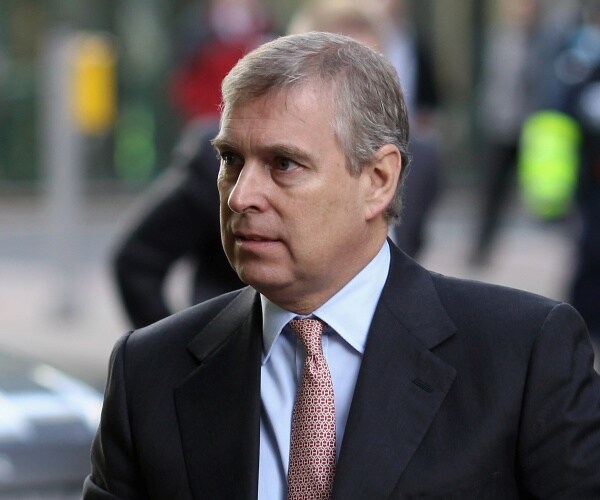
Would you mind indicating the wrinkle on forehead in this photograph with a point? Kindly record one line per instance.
(290, 101)
(314, 87)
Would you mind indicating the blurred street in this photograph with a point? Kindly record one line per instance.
(57, 301)
(527, 255)
(107, 177)
(30, 318)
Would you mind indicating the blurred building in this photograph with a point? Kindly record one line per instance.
(147, 36)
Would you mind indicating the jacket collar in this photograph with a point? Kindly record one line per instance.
(218, 404)
(400, 387)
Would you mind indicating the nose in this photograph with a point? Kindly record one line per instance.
(248, 192)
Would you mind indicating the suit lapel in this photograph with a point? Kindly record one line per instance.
(400, 387)
(218, 405)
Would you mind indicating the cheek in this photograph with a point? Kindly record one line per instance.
(224, 192)
(224, 186)
(339, 206)
(224, 215)
(223, 197)
(322, 225)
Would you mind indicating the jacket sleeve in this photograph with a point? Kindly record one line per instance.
(559, 443)
(177, 218)
(163, 230)
(115, 473)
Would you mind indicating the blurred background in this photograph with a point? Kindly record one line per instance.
(96, 97)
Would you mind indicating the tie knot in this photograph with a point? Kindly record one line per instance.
(309, 331)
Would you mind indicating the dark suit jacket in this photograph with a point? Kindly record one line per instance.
(466, 391)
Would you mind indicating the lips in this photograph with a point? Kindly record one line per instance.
(251, 236)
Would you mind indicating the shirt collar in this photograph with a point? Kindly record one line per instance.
(349, 312)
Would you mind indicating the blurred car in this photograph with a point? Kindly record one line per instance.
(47, 423)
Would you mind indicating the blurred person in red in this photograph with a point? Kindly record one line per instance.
(177, 219)
(229, 29)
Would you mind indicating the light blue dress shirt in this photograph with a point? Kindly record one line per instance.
(348, 316)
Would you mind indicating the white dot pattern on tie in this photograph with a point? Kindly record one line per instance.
(312, 451)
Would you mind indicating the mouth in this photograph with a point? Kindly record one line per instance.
(252, 237)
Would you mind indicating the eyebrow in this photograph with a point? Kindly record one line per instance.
(221, 143)
(277, 149)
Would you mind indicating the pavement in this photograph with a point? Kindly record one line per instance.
(70, 318)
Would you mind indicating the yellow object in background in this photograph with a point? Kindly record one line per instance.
(94, 83)
(548, 166)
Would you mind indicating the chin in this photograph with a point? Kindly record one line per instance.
(264, 283)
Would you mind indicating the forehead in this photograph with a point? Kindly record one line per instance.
(286, 94)
(302, 109)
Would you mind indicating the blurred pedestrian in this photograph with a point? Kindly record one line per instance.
(177, 220)
(578, 69)
(345, 17)
(218, 37)
(385, 26)
(510, 90)
(404, 46)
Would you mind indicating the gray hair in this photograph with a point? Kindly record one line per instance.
(369, 106)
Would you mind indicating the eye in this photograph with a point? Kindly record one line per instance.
(229, 159)
(284, 164)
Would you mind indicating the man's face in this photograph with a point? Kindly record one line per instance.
(293, 219)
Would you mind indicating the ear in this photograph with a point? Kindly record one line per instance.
(381, 179)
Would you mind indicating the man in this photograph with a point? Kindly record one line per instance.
(427, 386)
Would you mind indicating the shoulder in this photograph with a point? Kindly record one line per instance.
(178, 330)
(473, 296)
(478, 312)
(504, 313)
(158, 356)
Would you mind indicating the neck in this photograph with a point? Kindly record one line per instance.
(307, 303)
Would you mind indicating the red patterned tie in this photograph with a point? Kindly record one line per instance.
(312, 450)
